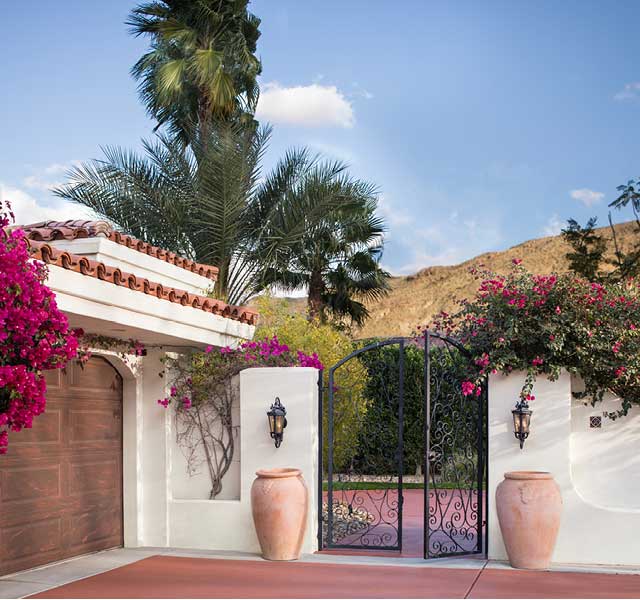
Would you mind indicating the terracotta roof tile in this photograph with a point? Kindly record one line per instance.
(48, 231)
(91, 268)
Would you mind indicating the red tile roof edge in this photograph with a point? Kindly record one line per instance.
(48, 231)
(92, 268)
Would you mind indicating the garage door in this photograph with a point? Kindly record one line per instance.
(61, 481)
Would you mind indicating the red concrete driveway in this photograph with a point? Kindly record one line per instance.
(179, 577)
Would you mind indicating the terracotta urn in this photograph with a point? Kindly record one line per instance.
(280, 502)
(529, 507)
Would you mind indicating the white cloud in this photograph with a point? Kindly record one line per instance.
(586, 196)
(392, 215)
(333, 151)
(312, 105)
(553, 226)
(28, 209)
(49, 177)
(448, 241)
(631, 91)
(360, 92)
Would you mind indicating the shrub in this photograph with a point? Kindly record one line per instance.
(34, 334)
(377, 451)
(541, 324)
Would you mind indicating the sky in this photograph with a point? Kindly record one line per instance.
(482, 123)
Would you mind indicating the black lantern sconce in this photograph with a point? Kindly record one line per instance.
(277, 421)
(521, 421)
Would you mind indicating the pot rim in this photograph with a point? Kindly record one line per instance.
(528, 475)
(278, 473)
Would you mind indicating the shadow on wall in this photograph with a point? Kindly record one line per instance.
(605, 463)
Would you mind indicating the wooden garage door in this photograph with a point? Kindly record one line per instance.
(61, 481)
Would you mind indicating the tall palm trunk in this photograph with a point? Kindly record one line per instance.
(314, 302)
(221, 287)
(204, 118)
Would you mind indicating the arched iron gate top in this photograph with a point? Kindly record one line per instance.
(416, 339)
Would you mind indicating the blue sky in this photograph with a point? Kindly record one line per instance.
(483, 123)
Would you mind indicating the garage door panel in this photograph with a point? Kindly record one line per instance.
(32, 538)
(54, 379)
(95, 376)
(23, 484)
(46, 431)
(95, 476)
(61, 482)
(95, 426)
(94, 526)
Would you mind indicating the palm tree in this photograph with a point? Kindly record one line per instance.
(337, 258)
(207, 201)
(202, 64)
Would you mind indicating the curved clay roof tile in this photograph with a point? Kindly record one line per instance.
(47, 231)
(91, 268)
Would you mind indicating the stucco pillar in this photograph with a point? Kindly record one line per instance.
(152, 453)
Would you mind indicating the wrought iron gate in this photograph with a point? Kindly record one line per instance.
(455, 442)
(361, 502)
(365, 419)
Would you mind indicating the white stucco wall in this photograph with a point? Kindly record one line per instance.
(197, 486)
(598, 470)
(605, 463)
(165, 508)
(101, 307)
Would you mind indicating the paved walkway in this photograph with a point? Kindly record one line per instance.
(165, 573)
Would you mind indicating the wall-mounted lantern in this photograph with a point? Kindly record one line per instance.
(277, 421)
(521, 421)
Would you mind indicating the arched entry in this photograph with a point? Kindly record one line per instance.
(403, 450)
(61, 481)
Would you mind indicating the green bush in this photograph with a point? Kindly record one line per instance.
(454, 417)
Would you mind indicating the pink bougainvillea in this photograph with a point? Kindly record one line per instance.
(34, 334)
(204, 371)
(541, 324)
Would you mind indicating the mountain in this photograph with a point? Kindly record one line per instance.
(415, 299)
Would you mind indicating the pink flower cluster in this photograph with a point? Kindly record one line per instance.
(34, 334)
(469, 388)
(267, 352)
(310, 360)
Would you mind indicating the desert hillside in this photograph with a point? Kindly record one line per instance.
(415, 299)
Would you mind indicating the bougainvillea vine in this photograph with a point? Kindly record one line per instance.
(34, 333)
(203, 388)
(541, 324)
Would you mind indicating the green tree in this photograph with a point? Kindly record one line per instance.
(208, 202)
(331, 346)
(205, 202)
(337, 257)
(588, 248)
(202, 64)
(593, 256)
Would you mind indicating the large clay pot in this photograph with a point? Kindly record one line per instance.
(279, 502)
(529, 507)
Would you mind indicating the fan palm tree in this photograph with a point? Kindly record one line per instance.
(201, 65)
(207, 201)
(337, 257)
